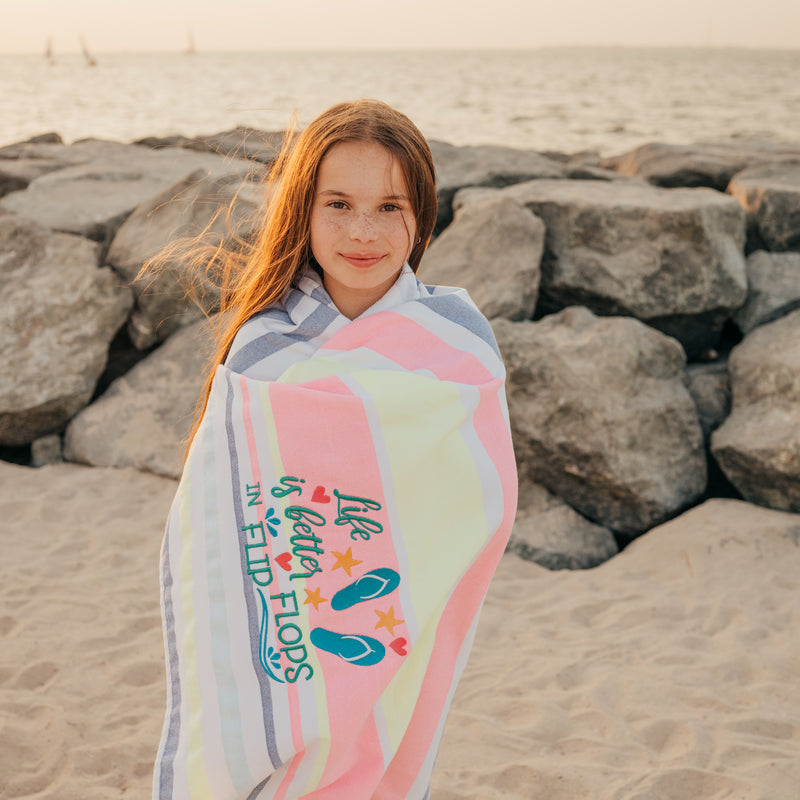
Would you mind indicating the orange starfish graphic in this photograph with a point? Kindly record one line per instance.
(314, 598)
(387, 620)
(345, 561)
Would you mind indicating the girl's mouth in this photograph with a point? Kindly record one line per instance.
(362, 260)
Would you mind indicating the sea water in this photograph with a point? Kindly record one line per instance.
(566, 99)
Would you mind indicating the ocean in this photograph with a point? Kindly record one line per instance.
(568, 99)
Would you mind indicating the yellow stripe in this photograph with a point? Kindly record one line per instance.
(433, 472)
(199, 787)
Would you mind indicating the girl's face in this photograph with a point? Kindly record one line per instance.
(362, 226)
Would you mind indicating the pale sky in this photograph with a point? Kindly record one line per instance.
(225, 25)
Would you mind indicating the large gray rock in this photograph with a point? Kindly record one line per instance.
(774, 288)
(484, 165)
(220, 207)
(143, 418)
(492, 249)
(770, 194)
(240, 142)
(758, 446)
(551, 533)
(670, 257)
(711, 164)
(58, 314)
(601, 417)
(23, 162)
(92, 197)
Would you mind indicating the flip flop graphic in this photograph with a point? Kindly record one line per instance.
(353, 648)
(370, 586)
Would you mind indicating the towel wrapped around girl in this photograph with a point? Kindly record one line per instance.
(344, 504)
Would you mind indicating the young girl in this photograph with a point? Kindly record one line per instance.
(346, 496)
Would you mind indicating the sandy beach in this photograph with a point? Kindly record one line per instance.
(670, 672)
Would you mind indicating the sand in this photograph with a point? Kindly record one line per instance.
(672, 672)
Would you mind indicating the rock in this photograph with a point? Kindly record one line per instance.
(774, 288)
(46, 450)
(711, 164)
(492, 249)
(758, 445)
(484, 165)
(224, 206)
(549, 532)
(710, 388)
(770, 194)
(240, 142)
(144, 417)
(670, 257)
(93, 197)
(23, 162)
(58, 315)
(601, 417)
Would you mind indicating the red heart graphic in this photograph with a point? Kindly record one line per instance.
(399, 646)
(319, 495)
(285, 560)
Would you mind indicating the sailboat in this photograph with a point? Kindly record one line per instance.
(48, 52)
(190, 48)
(90, 59)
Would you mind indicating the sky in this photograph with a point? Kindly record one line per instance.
(231, 25)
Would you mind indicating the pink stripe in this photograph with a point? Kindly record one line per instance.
(335, 450)
(248, 429)
(410, 345)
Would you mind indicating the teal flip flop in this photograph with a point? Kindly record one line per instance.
(370, 586)
(355, 649)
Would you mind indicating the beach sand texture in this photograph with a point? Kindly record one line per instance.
(671, 672)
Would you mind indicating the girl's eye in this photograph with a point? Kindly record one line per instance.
(391, 207)
(339, 204)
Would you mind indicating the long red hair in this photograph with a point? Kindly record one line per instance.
(258, 274)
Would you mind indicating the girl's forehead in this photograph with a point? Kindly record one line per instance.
(360, 165)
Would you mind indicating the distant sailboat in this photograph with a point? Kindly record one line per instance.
(48, 52)
(190, 48)
(90, 59)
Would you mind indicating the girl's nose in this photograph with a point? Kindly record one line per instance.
(363, 228)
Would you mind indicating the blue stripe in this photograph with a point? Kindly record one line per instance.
(268, 344)
(252, 612)
(457, 310)
(163, 781)
(230, 716)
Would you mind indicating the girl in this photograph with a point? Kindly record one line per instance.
(347, 494)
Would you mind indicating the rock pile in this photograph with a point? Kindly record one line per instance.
(648, 308)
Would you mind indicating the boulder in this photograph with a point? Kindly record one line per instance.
(492, 249)
(93, 197)
(240, 142)
(758, 445)
(550, 533)
(670, 257)
(58, 315)
(484, 165)
(220, 207)
(144, 417)
(710, 388)
(601, 417)
(773, 288)
(770, 194)
(23, 162)
(711, 164)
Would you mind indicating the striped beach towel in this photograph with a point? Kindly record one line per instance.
(343, 507)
